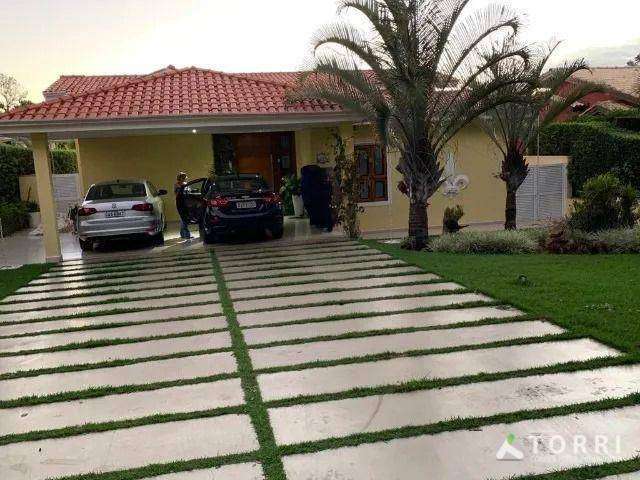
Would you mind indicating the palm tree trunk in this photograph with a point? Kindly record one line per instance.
(418, 224)
(511, 209)
(514, 172)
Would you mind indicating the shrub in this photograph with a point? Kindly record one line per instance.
(564, 239)
(625, 240)
(14, 217)
(606, 204)
(16, 161)
(506, 241)
(595, 147)
(31, 206)
(451, 219)
(290, 186)
(538, 235)
(64, 161)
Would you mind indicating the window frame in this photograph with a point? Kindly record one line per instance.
(371, 176)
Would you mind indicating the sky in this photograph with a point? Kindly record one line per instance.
(43, 39)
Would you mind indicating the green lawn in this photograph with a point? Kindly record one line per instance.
(594, 295)
(11, 280)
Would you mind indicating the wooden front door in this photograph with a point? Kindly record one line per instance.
(252, 152)
(283, 155)
(272, 155)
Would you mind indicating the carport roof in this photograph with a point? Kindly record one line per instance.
(172, 92)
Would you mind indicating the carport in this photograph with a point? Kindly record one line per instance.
(148, 122)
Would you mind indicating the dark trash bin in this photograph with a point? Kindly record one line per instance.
(316, 195)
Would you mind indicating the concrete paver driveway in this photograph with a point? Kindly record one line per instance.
(316, 359)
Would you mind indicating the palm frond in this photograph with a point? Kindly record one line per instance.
(418, 50)
(558, 104)
(545, 96)
(352, 40)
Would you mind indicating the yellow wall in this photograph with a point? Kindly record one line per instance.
(28, 188)
(483, 200)
(156, 158)
(159, 158)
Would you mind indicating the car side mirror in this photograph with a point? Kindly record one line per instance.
(162, 191)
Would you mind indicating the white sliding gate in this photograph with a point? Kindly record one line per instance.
(66, 190)
(542, 197)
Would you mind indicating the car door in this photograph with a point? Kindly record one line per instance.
(156, 198)
(194, 199)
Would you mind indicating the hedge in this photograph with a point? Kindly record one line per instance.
(14, 217)
(501, 241)
(595, 147)
(16, 161)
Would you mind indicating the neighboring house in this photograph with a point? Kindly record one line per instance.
(154, 125)
(621, 82)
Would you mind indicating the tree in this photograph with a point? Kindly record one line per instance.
(348, 186)
(514, 126)
(635, 61)
(11, 93)
(418, 50)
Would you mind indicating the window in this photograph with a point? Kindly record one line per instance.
(196, 187)
(371, 163)
(240, 183)
(108, 191)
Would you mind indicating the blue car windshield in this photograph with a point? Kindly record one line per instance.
(235, 184)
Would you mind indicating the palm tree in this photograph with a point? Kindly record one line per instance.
(419, 76)
(514, 126)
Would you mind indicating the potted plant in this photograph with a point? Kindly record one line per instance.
(34, 213)
(291, 195)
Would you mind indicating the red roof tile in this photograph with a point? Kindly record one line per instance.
(169, 92)
(79, 84)
(623, 79)
(287, 78)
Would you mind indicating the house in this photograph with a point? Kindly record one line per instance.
(193, 119)
(623, 84)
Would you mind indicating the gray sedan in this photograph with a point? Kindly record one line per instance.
(121, 209)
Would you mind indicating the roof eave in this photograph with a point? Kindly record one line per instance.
(158, 124)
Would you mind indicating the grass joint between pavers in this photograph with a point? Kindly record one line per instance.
(268, 453)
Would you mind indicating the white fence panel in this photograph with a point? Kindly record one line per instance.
(542, 197)
(66, 191)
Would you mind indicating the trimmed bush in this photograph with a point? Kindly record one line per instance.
(561, 239)
(64, 161)
(564, 239)
(16, 161)
(14, 216)
(595, 147)
(625, 240)
(505, 241)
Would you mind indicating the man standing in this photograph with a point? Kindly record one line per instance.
(178, 190)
